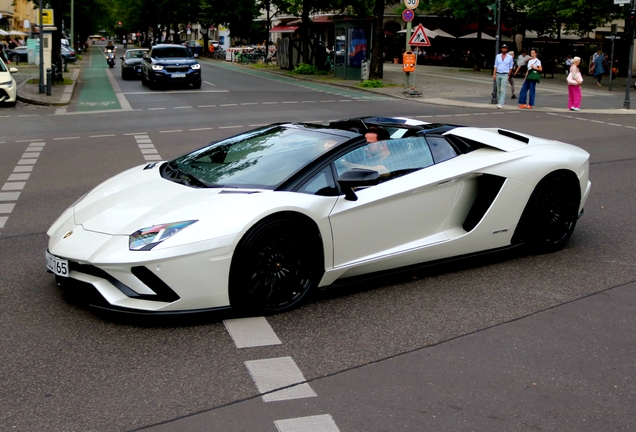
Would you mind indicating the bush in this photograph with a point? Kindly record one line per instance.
(305, 69)
(372, 83)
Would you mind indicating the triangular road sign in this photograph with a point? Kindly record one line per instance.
(419, 37)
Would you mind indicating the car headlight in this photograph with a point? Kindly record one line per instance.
(147, 238)
(8, 83)
(196, 66)
(157, 67)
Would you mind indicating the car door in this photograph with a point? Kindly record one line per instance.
(406, 211)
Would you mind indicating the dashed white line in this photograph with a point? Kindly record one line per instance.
(597, 121)
(183, 107)
(136, 133)
(251, 332)
(33, 140)
(171, 131)
(269, 103)
(200, 129)
(614, 124)
(101, 136)
(225, 105)
(317, 423)
(258, 125)
(65, 138)
(230, 127)
(207, 106)
(250, 103)
(289, 102)
(156, 109)
(271, 374)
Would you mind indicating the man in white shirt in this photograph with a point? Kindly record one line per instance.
(503, 65)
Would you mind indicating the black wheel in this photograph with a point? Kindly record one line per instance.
(274, 266)
(551, 213)
(124, 76)
(143, 80)
(196, 85)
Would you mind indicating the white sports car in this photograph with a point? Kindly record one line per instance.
(258, 220)
(8, 87)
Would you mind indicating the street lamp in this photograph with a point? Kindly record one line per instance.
(41, 87)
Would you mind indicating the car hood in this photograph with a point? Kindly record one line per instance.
(173, 61)
(5, 76)
(141, 198)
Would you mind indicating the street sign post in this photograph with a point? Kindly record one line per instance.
(408, 15)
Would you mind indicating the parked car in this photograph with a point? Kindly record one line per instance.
(8, 87)
(131, 63)
(170, 64)
(259, 220)
(68, 54)
(18, 55)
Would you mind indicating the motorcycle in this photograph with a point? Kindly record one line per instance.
(110, 58)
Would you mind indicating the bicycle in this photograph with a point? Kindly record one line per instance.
(329, 62)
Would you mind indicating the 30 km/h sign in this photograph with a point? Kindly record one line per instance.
(411, 4)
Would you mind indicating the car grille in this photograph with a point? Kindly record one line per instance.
(180, 68)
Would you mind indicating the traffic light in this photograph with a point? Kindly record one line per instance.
(629, 21)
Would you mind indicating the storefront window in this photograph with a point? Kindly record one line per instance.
(357, 47)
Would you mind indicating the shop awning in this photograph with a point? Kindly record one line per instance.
(280, 28)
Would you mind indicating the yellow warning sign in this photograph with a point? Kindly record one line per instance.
(47, 17)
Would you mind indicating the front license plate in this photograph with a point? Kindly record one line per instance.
(179, 75)
(57, 265)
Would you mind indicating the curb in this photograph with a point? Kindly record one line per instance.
(66, 96)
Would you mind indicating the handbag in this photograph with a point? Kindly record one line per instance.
(571, 81)
(534, 75)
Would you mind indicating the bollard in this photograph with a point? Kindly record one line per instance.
(49, 78)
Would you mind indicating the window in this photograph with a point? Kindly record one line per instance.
(321, 184)
(441, 149)
(392, 158)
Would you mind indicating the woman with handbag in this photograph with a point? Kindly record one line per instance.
(533, 76)
(575, 79)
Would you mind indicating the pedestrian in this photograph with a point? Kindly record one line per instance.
(600, 65)
(501, 71)
(522, 62)
(533, 76)
(575, 79)
(511, 76)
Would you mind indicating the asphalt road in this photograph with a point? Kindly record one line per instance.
(504, 343)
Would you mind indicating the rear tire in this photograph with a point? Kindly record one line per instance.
(551, 214)
(275, 265)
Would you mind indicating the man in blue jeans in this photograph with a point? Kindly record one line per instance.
(503, 65)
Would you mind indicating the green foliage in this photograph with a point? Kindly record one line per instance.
(372, 83)
(305, 69)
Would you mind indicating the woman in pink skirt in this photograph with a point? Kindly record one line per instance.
(575, 79)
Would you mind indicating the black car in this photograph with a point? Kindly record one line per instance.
(131, 63)
(170, 64)
(68, 54)
(19, 54)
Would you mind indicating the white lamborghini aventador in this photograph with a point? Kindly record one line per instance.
(258, 220)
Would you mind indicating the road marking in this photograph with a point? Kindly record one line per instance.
(230, 127)
(145, 93)
(597, 121)
(258, 125)
(17, 180)
(275, 373)
(34, 140)
(209, 83)
(156, 109)
(66, 138)
(269, 103)
(327, 101)
(308, 101)
(289, 102)
(146, 148)
(317, 423)
(101, 136)
(207, 106)
(183, 107)
(136, 133)
(614, 124)
(251, 332)
(200, 129)
(171, 131)
(250, 103)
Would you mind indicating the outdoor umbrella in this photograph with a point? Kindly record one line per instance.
(18, 33)
(3, 33)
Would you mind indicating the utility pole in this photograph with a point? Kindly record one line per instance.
(41, 88)
(630, 21)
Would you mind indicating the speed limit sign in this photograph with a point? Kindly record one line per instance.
(411, 4)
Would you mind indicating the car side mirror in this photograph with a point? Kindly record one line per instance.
(13, 70)
(122, 57)
(356, 177)
(196, 56)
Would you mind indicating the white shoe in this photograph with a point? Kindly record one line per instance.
(575, 109)
(499, 106)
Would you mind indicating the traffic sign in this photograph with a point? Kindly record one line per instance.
(47, 17)
(408, 15)
(419, 37)
(411, 4)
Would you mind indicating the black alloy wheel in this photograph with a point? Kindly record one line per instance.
(275, 266)
(552, 213)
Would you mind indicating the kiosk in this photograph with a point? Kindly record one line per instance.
(352, 48)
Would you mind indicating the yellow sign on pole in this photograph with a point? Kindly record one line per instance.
(47, 17)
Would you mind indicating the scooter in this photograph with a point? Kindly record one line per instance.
(110, 58)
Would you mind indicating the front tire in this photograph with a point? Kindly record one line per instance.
(552, 212)
(275, 265)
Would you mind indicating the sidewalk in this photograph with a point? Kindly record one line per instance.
(437, 85)
(30, 93)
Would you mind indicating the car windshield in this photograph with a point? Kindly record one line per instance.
(135, 54)
(3, 67)
(170, 52)
(260, 159)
